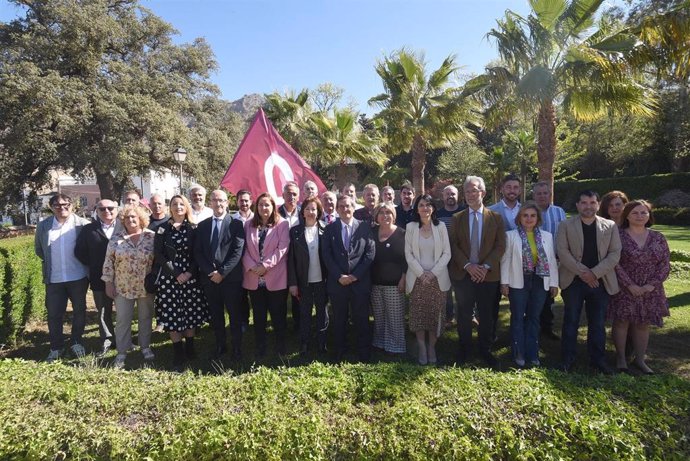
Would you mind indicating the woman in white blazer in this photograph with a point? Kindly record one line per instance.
(427, 251)
(529, 273)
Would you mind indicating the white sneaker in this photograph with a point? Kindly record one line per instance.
(148, 354)
(119, 361)
(53, 356)
(78, 350)
(519, 361)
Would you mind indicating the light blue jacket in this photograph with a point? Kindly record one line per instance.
(501, 209)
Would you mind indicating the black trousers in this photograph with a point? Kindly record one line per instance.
(222, 297)
(345, 302)
(275, 302)
(483, 295)
(313, 295)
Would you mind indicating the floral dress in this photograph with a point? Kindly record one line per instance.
(648, 265)
(179, 307)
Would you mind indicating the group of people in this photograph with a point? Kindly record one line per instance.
(425, 261)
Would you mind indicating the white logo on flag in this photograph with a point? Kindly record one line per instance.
(276, 161)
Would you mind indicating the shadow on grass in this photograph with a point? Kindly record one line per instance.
(668, 348)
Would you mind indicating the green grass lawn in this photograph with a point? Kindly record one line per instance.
(678, 236)
(295, 407)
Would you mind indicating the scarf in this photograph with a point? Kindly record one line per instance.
(542, 266)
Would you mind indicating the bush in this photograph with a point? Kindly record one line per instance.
(22, 291)
(647, 187)
(672, 216)
(386, 411)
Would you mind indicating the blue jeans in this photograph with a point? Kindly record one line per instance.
(525, 307)
(595, 301)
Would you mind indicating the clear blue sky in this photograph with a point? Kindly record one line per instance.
(263, 46)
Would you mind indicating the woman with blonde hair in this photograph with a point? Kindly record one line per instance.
(529, 273)
(181, 306)
(388, 281)
(128, 260)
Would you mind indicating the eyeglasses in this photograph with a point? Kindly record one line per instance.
(103, 208)
(64, 206)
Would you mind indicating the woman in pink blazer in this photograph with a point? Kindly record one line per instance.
(265, 270)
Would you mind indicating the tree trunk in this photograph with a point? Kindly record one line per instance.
(106, 184)
(546, 143)
(418, 163)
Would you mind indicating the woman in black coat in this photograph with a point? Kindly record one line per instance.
(307, 273)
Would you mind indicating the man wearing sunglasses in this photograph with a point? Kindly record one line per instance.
(90, 249)
(64, 276)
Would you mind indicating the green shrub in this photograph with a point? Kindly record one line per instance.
(672, 216)
(680, 256)
(680, 270)
(319, 411)
(646, 187)
(22, 291)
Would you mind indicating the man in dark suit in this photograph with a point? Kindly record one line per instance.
(218, 252)
(477, 241)
(90, 249)
(348, 251)
(292, 211)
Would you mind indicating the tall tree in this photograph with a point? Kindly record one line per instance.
(289, 113)
(422, 111)
(96, 87)
(340, 140)
(556, 56)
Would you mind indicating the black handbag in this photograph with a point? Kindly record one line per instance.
(151, 281)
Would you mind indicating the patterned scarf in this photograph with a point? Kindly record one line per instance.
(528, 266)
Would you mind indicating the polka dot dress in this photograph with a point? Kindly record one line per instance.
(180, 307)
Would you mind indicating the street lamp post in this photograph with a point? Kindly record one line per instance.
(180, 156)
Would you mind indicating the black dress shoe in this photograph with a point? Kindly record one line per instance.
(603, 368)
(490, 360)
(236, 354)
(322, 349)
(303, 349)
(566, 367)
(461, 358)
(220, 351)
(549, 334)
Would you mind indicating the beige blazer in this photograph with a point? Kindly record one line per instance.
(511, 262)
(570, 244)
(441, 255)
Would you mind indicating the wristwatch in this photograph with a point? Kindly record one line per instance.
(486, 266)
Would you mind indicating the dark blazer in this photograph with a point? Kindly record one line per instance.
(283, 213)
(164, 251)
(355, 260)
(298, 256)
(228, 259)
(90, 249)
(491, 246)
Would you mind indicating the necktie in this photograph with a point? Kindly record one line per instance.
(346, 239)
(474, 239)
(214, 237)
(328, 219)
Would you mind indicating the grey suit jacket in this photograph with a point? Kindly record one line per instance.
(41, 241)
(569, 247)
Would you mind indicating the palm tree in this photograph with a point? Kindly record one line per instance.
(289, 113)
(422, 111)
(340, 140)
(557, 57)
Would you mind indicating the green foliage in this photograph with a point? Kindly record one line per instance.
(422, 110)
(672, 216)
(21, 290)
(646, 187)
(98, 87)
(387, 411)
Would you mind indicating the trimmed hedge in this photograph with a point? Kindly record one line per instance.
(646, 187)
(21, 288)
(672, 216)
(319, 411)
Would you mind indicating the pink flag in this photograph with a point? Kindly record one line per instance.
(264, 162)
